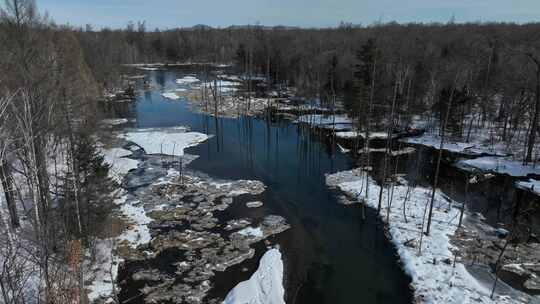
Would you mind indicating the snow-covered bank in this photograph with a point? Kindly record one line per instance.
(169, 141)
(498, 165)
(469, 148)
(434, 278)
(104, 271)
(356, 134)
(531, 185)
(265, 285)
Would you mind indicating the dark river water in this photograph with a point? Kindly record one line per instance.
(330, 254)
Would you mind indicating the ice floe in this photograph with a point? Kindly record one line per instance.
(168, 141)
(265, 286)
(170, 95)
(120, 165)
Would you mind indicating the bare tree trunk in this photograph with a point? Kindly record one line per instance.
(7, 184)
(439, 157)
(534, 124)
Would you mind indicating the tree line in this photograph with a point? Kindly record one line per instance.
(491, 71)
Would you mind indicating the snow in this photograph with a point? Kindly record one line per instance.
(224, 86)
(115, 122)
(319, 119)
(498, 165)
(186, 80)
(105, 270)
(434, 141)
(250, 231)
(255, 204)
(148, 68)
(170, 95)
(120, 165)
(435, 282)
(355, 134)
(138, 233)
(169, 141)
(532, 185)
(265, 286)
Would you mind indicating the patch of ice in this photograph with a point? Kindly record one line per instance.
(250, 231)
(171, 141)
(255, 204)
(265, 286)
(170, 95)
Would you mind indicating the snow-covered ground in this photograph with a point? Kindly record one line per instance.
(471, 148)
(319, 119)
(355, 134)
(434, 278)
(265, 286)
(105, 269)
(187, 80)
(114, 122)
(532, 185)
(120, 165)
(169, 141)
(500, 165)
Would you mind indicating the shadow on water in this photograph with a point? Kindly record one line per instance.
(330, 255)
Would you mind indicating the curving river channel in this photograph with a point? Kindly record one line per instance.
(330, 254)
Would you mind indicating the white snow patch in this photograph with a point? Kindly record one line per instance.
(138, 232)
(250, 231)
(355, 134)
(265, 286)
(114, 122)
(470, 148)
(498, 165)
(120, 165)
(187, 80)
(319, 119)
(532, 185)
(170, 141)
(104, 270)
(170, 95)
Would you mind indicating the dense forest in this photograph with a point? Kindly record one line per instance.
(53, 79)
(491, 70)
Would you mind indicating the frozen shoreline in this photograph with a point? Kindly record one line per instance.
(434, 278)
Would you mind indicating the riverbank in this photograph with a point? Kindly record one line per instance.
(171, 215)
(438, 273)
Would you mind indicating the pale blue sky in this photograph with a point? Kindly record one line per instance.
(305, 13)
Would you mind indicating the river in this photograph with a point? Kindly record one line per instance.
(330, 254)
